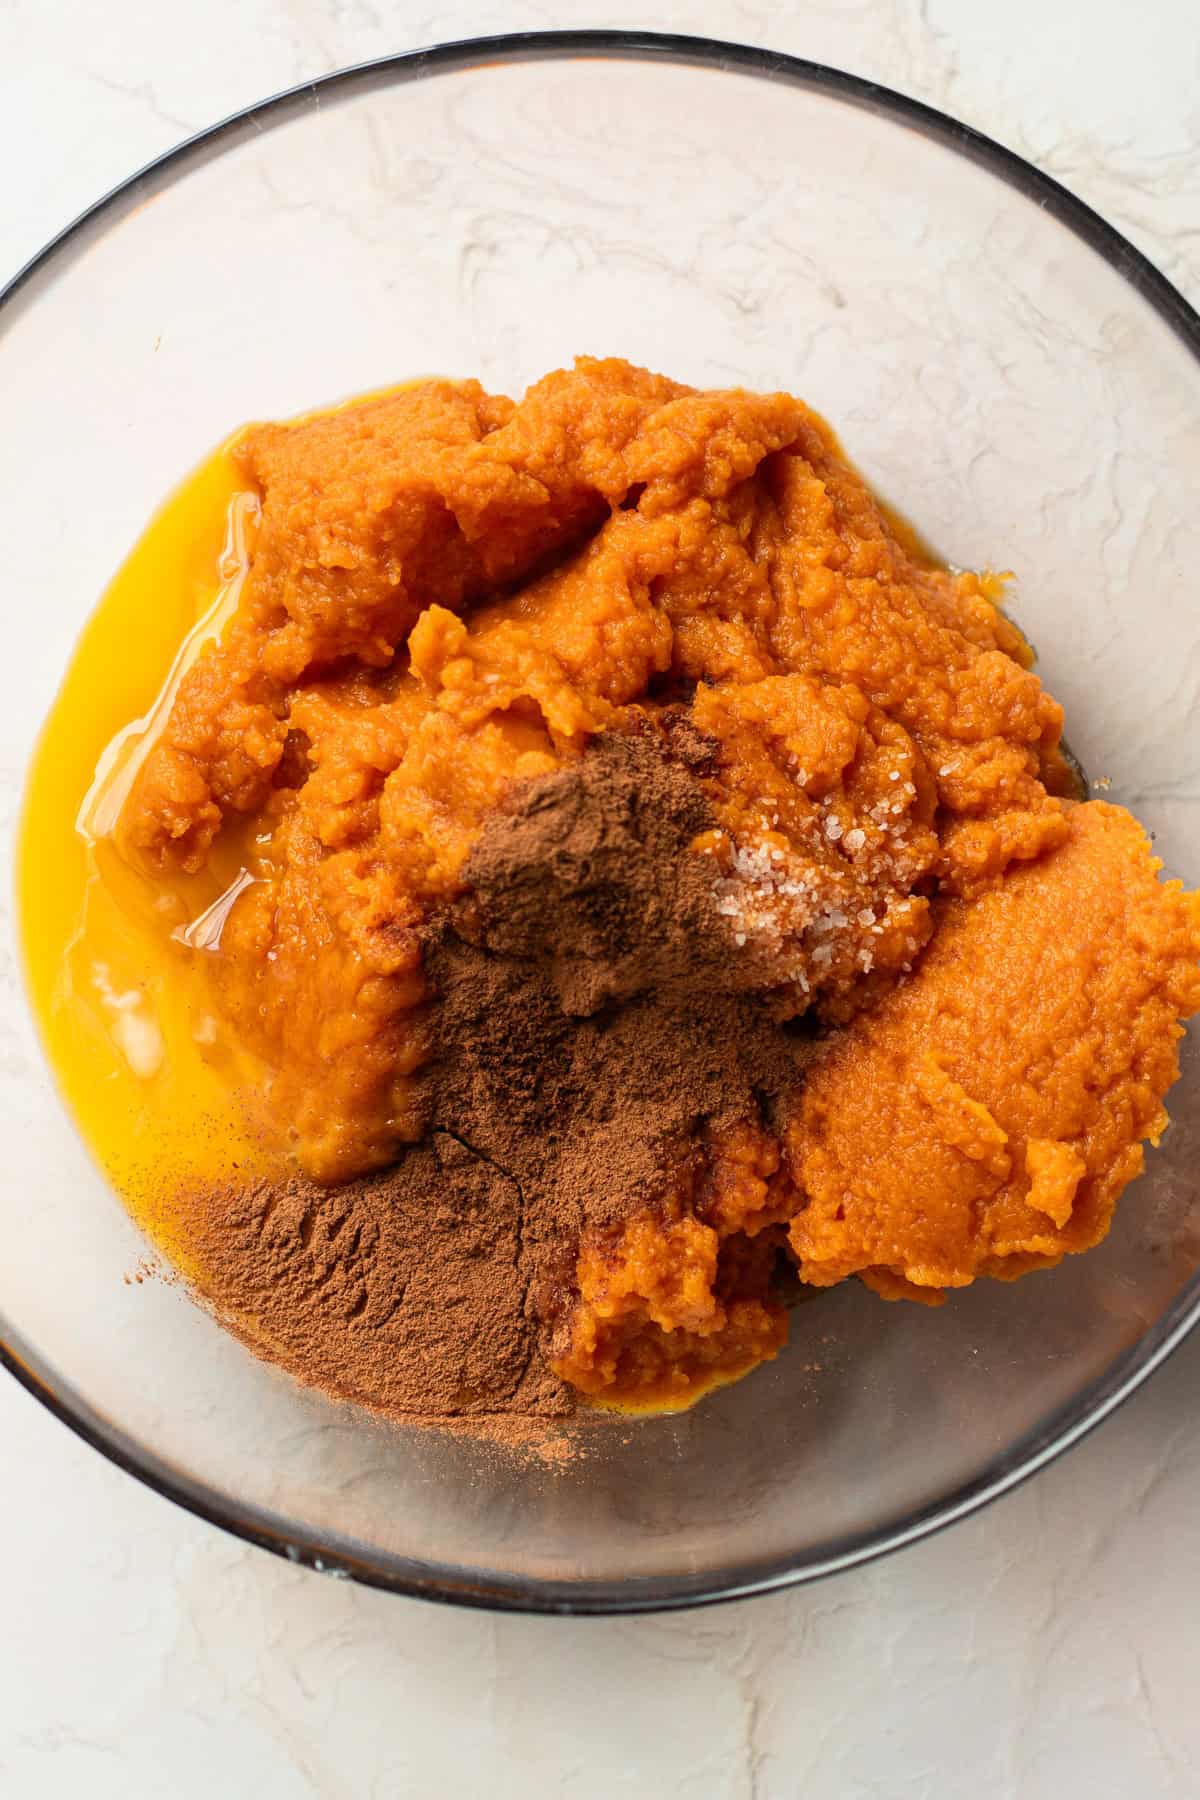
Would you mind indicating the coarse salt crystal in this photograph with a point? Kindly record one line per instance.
(855, 839)
(893, 774)
(866, 916)
(833, 829)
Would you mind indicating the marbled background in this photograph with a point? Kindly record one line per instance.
(1048, 1646)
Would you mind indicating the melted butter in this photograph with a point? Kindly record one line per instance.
(160, 1090)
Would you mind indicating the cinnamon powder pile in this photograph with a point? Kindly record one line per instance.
(587, 1031)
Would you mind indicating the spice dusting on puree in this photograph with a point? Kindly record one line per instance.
(515, 892)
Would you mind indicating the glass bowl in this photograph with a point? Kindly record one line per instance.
(1011, 374)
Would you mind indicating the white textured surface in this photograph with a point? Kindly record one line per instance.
(1047, 1646)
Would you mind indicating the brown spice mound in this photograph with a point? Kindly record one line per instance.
(402, 1290)
(587, 1033)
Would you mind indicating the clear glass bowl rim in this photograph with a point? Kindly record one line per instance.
(1091, 1404)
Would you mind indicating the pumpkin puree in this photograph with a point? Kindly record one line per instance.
(445, 593)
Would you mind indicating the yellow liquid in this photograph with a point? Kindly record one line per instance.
(156, 1083)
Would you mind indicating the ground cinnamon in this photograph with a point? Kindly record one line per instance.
(587, 1032)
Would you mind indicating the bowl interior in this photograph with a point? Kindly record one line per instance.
(1015, 391)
